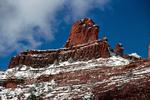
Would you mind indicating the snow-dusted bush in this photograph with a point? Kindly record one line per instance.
(88, 96)
(129, 74)
(56, 63)
(32, 97)
(10, 74)
(70, 60)
(32, 89)
(41, 85)
(53, 84)
(50, 89)
(37, 84)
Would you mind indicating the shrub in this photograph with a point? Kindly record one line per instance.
(70, 60)
(56, 63)
(33, 97)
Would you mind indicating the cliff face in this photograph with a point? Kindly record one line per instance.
(95, 49)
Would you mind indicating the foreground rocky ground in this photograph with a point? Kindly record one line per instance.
(111, 78)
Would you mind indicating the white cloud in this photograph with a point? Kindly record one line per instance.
(19, 17)
(81, 7)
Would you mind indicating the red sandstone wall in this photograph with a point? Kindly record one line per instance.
(84, 52)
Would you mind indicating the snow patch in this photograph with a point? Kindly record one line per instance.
(142, 71)
(135, 55)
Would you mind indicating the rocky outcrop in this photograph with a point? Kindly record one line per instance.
(11, 82)
(83, 31)
(95, 49)
(119, 49)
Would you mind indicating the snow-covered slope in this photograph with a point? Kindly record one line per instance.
(85, 80)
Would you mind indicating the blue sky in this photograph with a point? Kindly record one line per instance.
(45, 24)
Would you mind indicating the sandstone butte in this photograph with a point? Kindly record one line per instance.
(96, 72)
(82, 44)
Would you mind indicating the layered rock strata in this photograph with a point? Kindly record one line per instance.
(95, 49)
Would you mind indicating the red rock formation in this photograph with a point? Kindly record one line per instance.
(86, 51)
(83, 31)
(12, 83)
(82, 44)
(119, 49)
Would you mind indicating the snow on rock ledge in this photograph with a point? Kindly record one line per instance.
(24, 71)
(135, 55)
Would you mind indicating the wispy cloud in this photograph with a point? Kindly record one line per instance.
(23, 23)
(81, 7)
